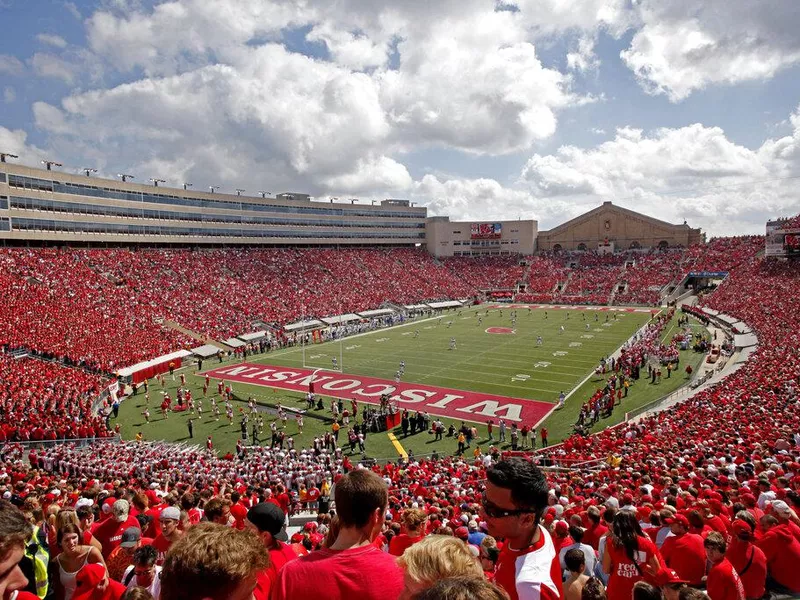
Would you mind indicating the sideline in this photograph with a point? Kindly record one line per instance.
(397, 445)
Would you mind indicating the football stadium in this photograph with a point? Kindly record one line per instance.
(220, 394)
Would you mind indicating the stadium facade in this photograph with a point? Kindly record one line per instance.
(39, 206)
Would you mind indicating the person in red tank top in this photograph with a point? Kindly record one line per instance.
(630, 556)
(512, 506)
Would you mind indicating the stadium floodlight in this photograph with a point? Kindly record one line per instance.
(125, 177)
(353, 200)
(186, 186)
(89, 171)
(373, 202)
(157, 181)
(51, 163)
(264, 194)
(4, 155)
(213, 188)
(239, 191)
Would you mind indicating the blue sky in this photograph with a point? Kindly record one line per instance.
(479, 113)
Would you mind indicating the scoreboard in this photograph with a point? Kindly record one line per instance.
(783, 239)
(486, 231)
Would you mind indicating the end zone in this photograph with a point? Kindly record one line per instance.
(445, 402)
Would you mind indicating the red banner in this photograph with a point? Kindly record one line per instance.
(456, 404)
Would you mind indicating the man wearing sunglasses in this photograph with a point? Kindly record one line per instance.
(513, 503)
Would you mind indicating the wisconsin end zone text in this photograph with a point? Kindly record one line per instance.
(456, 404)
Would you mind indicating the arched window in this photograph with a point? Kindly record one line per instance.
(557, 248)
(663, 245)
(582, 246)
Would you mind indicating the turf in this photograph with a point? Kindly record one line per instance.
(483, 362)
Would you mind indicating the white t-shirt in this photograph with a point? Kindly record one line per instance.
(154, 588)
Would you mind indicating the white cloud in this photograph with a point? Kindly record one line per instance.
(583, 58)
(694, 172)
(464, 199)
(54, 67)
(72, 9)
(10, 65)
(680, 47)
(9, 94)
(14, 141)
(52, 40)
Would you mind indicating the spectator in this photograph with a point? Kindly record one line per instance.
(628, 553)
(593, 590)
(109, 532)
(73, 557)
(463, 588)
(352, 565)
(684, 551)
(137, 593)
(782, 551)
(576, 534)
(144, 572)
(434, 558)
(747, 559)
(218, 510)
(267, 520)
(645, 591)
(122, 556)
(92, 583)
(723, 581)
(516, 496)
(414, 523)
(214, 562)
(14, 534)
(169, 518)
(575, 562)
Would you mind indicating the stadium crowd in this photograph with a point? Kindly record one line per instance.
(47, 401)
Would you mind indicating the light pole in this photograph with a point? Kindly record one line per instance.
(213, 188)
(264, 193)
(125, 177)
(51, 163)
(239, 191)
(157, 181)
(186, 186)
(89, 171)
(5, 155)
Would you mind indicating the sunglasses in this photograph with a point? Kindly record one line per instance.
(498, 512)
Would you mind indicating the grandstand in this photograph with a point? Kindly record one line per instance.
(97, 301)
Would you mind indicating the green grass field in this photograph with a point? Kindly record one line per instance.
(508, 365)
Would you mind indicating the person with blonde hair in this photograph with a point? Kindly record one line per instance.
(213, 561)
(433, 558)
(414, 522)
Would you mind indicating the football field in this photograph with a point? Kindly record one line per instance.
(499, 368)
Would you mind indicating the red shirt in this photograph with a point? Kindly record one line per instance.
(400, 542)
(624, 572)
(365, 573)
(783, 555)
(109, 533)
(685, 553)
(751, 565)
(266, 578)
(161, 544)
(530, 574)
(593, 534)
(723, 582)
